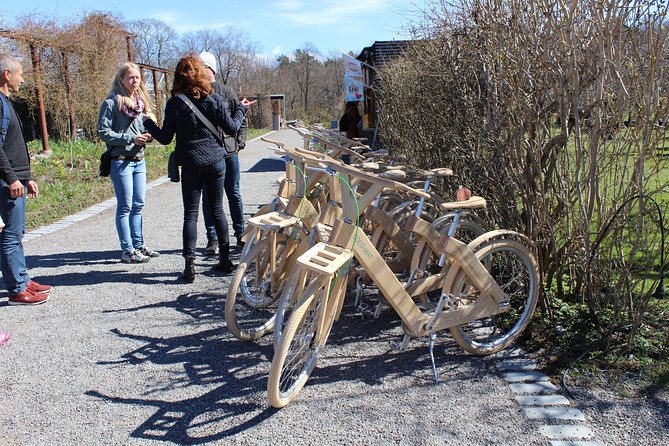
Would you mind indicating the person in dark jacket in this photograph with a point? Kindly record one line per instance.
(234, 143)
(15, 183)
(351, 121)
(200, 153)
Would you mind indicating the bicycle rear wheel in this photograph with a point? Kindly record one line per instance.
(250, 305)
(515, 270)
(300, 345)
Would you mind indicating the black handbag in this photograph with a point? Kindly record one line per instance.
(173, 167)
(105, 164)
(105, 158)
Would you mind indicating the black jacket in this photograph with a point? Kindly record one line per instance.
(237, 141)
(14, 156)
(196, 144)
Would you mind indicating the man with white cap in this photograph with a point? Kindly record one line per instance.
(233, 143)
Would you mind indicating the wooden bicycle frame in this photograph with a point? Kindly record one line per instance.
(345, 235)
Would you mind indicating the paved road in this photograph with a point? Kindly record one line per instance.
(126, 354)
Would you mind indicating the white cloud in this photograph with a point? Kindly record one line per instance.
(330, 12)
(277, 50)
(184, 23)
(289, 5)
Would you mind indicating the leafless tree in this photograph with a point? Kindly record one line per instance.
(154, 42)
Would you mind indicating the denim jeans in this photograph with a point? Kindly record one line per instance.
(13, 212)
(194, 181)
(129, 179)
(231, 186)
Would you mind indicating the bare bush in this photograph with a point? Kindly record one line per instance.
(554, 111)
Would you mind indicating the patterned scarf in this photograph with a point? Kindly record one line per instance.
(132, 107)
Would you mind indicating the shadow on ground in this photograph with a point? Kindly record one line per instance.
(361, 350)
(268, 165)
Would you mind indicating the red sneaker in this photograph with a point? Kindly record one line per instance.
(38, 288)
(27, 297)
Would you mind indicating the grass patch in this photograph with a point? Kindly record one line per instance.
(68, 180)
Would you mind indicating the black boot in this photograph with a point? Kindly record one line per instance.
(224, 264)
(189, 271)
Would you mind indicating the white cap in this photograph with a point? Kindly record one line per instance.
(209, 60)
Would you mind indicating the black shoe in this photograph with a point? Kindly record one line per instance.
(240, 242)
(225, 266)
(189, 271)
(212, 248)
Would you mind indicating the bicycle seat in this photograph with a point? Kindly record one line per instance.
(380, 152)
(424, 174)
(368, 166)
(393, 174)
(473, 202)
(441, 172)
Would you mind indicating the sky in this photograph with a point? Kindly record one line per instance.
(278, 26)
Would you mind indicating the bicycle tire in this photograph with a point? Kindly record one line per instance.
(517, 273)
(250, 305)
(298, 350)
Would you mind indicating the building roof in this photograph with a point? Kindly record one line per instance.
(381, 52)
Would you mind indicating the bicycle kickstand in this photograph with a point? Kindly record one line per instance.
(433, 335)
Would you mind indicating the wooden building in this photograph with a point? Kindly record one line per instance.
(373, 57)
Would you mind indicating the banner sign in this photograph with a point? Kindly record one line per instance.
(352, 67)
(355, 89)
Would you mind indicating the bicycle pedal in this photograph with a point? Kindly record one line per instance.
(404, 345)
(379, 308)
(365, 309)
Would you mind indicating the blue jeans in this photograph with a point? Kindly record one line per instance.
(12, 258)
(194, 181)
(129, 179)
(231, 186)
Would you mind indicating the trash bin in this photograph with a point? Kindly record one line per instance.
(276, 122)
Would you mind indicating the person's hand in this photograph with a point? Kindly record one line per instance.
(16, 189)
(33, 191)
(247, 103)
(142, 139)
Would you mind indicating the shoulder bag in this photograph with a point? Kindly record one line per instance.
(217, 132)
(106, 158)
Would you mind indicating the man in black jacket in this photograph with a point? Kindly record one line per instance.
(234, 143)
(15, 178)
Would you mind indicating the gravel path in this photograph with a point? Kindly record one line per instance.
(127, 354)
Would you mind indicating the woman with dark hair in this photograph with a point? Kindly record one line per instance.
(200, 152)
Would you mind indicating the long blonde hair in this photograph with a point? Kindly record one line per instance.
(119, 90)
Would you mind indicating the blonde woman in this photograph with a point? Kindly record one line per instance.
(120, 126)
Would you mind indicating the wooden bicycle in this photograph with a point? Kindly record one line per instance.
(489, 292)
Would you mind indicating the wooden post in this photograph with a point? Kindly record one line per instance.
(68, 91)
(157, 94)
(40, 99)
(128, 43)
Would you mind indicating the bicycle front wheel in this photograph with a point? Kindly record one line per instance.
(515, 270)
(298, 350)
